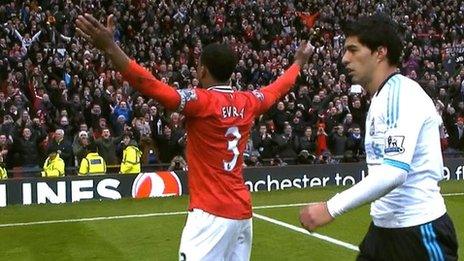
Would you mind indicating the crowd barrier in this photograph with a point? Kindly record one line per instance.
(154, 183)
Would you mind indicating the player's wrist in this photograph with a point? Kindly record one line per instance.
(299, 62)
(334, 206)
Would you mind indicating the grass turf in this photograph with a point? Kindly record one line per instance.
(157, 237)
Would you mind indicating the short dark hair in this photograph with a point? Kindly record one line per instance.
(375, 31)
(220, 61)
(92, 147)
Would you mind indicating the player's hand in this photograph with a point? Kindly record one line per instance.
(304, 51)
(96, 33)
(314, 216)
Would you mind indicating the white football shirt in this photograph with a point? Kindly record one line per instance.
(402, 130)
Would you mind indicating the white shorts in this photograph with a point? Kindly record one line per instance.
(209, 237)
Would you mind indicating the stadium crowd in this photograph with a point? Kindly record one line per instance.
(58, 94)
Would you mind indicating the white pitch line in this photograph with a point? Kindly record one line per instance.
(304, 231)
(284, 205)
(453, 194)
(151, 215)
(91, 219)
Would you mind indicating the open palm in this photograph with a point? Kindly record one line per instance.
(96, 33)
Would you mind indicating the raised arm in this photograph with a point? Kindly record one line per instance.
(141, 79)
(36, 36)
(285, 82)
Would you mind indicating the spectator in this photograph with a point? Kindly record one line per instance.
(106, 146)
(59, 71)
(5, 151)
(26, 150)
(178, 163)
(263, 142)
(93, 163)
(122, 109)
(304, 157)
(54, 166)
(130, 163)
(456, 135)
(253, 160)
(63, 147)
(321, 139)
(3, 170)
(307, 142)
(337, 141)
(286, 143)
(355, 142)
(79, 146)
(277, 162)
(168, 145)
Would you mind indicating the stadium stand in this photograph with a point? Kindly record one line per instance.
(50, 79)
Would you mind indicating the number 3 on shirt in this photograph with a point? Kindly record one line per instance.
(232, 146)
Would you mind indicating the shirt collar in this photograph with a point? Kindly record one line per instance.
(221, 88)
(385, 82)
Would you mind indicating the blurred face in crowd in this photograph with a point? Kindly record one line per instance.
(288, 130)
(167, 131)
(460, 122)
(18, 99)
(121, 119)
(46, 98)
(333, 111)
(59, 134)
(356, 131)
(175, 118)
(360, 61)
(62, 85)
(296, 120)
(3, 139)
(308, 132)
(25, 116)
(83, 127)
(106, 133)
(96, 109)
(76, 99)
(7, 119)
(126, 140)
(280, 106)
(64, 121)
(27, 133)
(349, 118)
(461, 105)
(102, 122)
(344, 99)
(97, 92)
(153, 110)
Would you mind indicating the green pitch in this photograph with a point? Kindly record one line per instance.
(119, 230)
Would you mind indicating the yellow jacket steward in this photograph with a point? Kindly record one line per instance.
(92, 164)
(131, 160)
(3, 173)
(54, 167)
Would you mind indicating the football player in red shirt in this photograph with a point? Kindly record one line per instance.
(218, 123)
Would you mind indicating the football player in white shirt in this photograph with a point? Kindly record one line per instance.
(403, 156)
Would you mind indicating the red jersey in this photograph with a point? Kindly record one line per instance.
(218, 123)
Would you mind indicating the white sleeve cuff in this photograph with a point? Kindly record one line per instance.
(381, 180)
